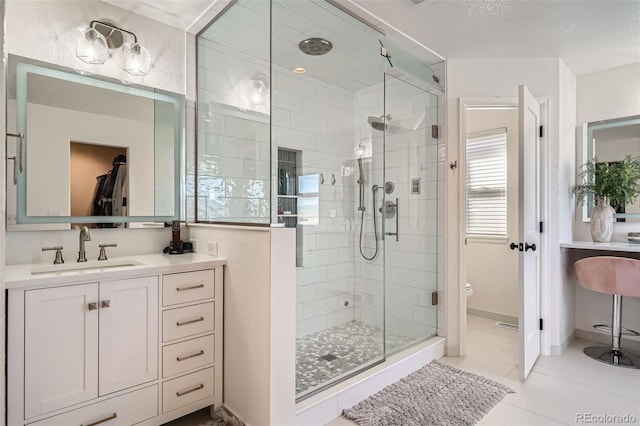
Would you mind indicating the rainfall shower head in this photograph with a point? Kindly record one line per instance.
(315, 46)
(379, 123)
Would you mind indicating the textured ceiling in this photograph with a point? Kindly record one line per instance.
(589, 35)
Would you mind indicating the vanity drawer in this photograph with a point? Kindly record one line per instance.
(187, 321)
(125, 409)
(188, 355)
(187, 389)
(188, 287)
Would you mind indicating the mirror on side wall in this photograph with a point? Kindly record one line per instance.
(610, 141)
(94, 152)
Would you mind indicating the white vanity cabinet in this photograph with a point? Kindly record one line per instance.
(115, 349)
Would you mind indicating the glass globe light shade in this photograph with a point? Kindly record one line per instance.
(91, 47)
(137, 60)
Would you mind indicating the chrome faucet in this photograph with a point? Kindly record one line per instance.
(84, 236)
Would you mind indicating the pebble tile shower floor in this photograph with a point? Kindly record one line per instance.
(327, 354)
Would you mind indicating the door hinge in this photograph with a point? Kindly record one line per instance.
(541, 227)
(541, 131)
(434, 131)
(434, 298)
(541, 328)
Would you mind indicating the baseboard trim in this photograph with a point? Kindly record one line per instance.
(557, 350)
(605, 339)
(492, 315)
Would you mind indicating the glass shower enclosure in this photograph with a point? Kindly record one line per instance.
(304, 121)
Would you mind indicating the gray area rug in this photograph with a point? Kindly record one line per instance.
(437, 394)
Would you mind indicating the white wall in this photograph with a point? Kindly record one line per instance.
(603, 95)
(492, 267)
(259, 341)
(52, 29)
(562, 206)
(501, 77)
(50, 25)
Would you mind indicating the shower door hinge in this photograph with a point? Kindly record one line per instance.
(541, 131)
(541, 324)
(434, 298)
(434, 131)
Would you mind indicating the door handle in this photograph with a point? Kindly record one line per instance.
(514, 246)
(17, 159)
(528, 246)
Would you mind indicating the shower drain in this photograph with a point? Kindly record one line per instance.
(328, 357)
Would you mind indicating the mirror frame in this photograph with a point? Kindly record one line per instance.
(25, 66)
(588, 150)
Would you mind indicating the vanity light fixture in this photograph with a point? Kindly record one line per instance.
(93, 46)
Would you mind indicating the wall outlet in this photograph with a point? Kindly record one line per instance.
(212, 248)
(194, 244)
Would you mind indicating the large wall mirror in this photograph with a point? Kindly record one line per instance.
(610, 141)
(92, 151)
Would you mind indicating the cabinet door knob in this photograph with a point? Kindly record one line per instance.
(105, 303)
(92, 306)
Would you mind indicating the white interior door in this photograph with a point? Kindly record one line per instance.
(529, 232)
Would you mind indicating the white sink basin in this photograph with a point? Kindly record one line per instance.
(97, 265)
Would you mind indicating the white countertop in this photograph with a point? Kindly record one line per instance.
(590, 245)
(21, 276)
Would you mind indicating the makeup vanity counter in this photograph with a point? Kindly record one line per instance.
(135, 340)
(613, 246)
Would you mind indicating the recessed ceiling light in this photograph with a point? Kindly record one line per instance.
(299, 70)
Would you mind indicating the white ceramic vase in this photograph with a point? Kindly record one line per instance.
(602, 222)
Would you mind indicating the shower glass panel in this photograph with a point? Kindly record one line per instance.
(231, 179)
(319, 117)
(302, 123)
(411, 211)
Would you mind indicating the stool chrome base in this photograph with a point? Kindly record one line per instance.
(611, 356)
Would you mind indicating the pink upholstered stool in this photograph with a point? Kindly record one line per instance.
(618, 276)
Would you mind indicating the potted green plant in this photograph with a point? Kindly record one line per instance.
(607, 184)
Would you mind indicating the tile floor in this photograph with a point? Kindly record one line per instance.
(557, 390)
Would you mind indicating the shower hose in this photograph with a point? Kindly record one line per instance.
(374, 189)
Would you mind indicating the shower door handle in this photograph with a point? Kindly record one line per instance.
(397, 221)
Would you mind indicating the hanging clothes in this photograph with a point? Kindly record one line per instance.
(112, 191)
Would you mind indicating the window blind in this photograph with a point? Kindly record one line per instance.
(487, 183)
